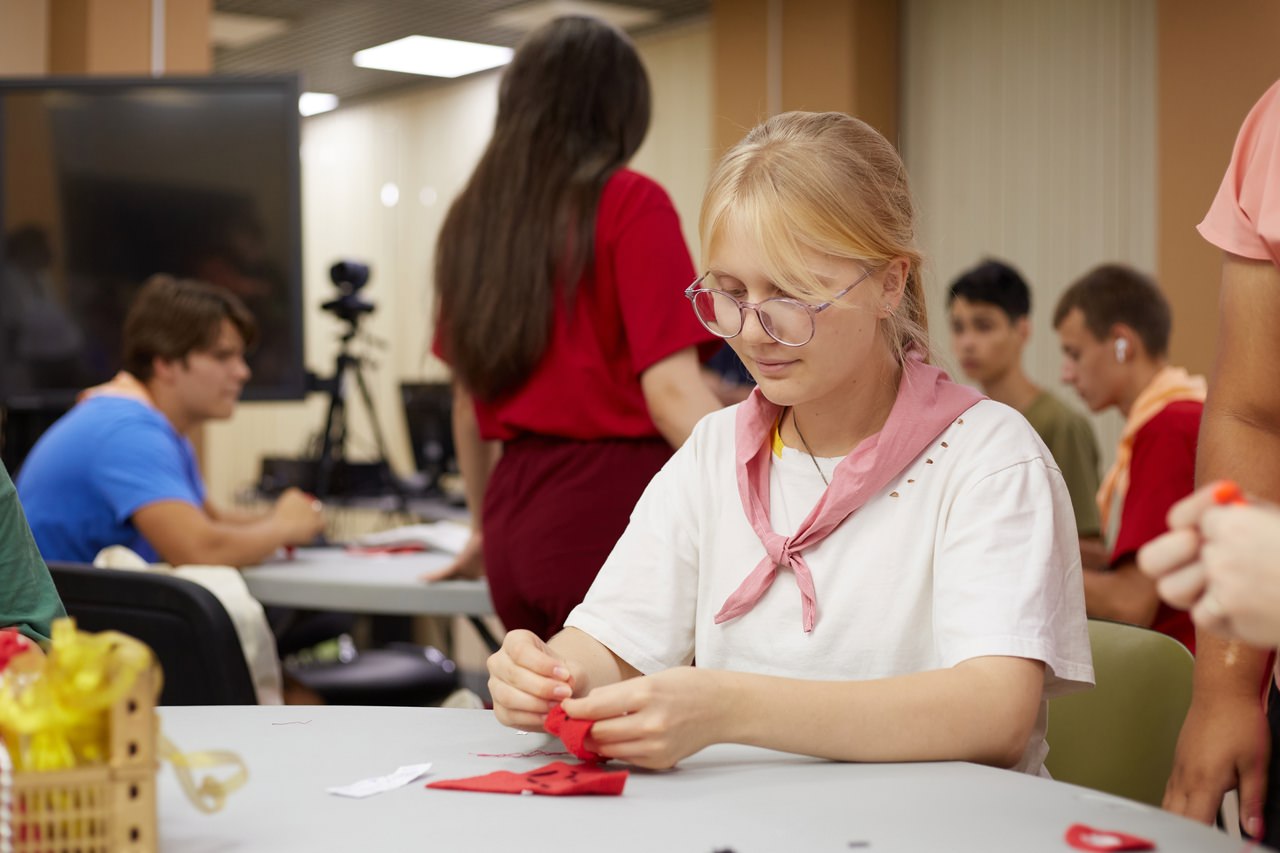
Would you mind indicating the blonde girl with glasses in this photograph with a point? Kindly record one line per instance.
(866, 560)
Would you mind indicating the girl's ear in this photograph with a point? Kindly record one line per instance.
(893, 283)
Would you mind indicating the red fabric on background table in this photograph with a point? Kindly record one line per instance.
(385, 549)
(556, 779)
(573, 733)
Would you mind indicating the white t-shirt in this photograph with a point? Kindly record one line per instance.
(971, 551)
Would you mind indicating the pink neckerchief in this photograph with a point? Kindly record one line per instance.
(927, 403)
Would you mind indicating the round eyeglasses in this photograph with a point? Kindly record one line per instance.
(788, 321)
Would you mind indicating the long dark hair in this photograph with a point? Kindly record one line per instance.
(573, 106)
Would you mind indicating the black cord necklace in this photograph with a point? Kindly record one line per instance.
(795, 424)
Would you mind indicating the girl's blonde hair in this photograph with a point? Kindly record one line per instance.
(827, 183)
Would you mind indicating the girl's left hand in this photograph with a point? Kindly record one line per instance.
(655, 720)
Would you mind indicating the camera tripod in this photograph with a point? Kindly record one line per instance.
(334, 437)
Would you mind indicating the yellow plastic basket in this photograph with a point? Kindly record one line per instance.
(109, 808)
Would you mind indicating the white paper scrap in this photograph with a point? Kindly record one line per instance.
(447, 536)
(381, 784)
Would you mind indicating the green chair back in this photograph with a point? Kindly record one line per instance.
(1119, 737)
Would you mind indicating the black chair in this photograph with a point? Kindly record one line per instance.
(400, 674)
(186, 626)
(395, 673)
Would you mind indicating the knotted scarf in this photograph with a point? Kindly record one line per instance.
(927, 403)
(123, 384)
(1170, 385)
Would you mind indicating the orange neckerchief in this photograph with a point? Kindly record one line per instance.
(1170, 385)
(123, 384)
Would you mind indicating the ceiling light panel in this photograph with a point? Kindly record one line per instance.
(433, 57)
(530, 16)
(231, 30)
(314, 103)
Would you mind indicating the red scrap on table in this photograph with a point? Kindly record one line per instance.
(1084, 837)
(573, 733)
(556, 779)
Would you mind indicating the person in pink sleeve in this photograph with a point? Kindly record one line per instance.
(868, 561)
(1228, 737)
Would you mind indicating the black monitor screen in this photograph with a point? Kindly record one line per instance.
(106, 182)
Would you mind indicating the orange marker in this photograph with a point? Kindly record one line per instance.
(1227, 492)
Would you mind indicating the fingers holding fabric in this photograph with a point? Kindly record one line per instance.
(653, 721)
(526, 679)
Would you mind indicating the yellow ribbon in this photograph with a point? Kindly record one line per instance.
(211, 793)
(53, 710)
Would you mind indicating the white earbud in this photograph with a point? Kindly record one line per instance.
(1122, 350)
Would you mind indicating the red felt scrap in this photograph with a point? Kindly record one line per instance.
(1083, 837)
(573, 733)
(405, 548)
(556, 779)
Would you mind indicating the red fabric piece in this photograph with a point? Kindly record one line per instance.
(1083, 837)
(1161, 473)
(556, 779)
(573, 733)
(385, 549)
(628, 313)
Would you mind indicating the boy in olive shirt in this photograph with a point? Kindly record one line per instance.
(989, 308)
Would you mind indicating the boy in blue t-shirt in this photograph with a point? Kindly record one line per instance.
(119, 468)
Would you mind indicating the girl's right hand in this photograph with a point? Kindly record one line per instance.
(526, 679)
(468, 564)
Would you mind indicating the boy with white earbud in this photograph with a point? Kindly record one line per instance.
(1114, 325)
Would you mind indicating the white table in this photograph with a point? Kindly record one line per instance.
(725, 798)
(354, 582)
(335, 579)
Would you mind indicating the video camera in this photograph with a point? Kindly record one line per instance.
(349, 276)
